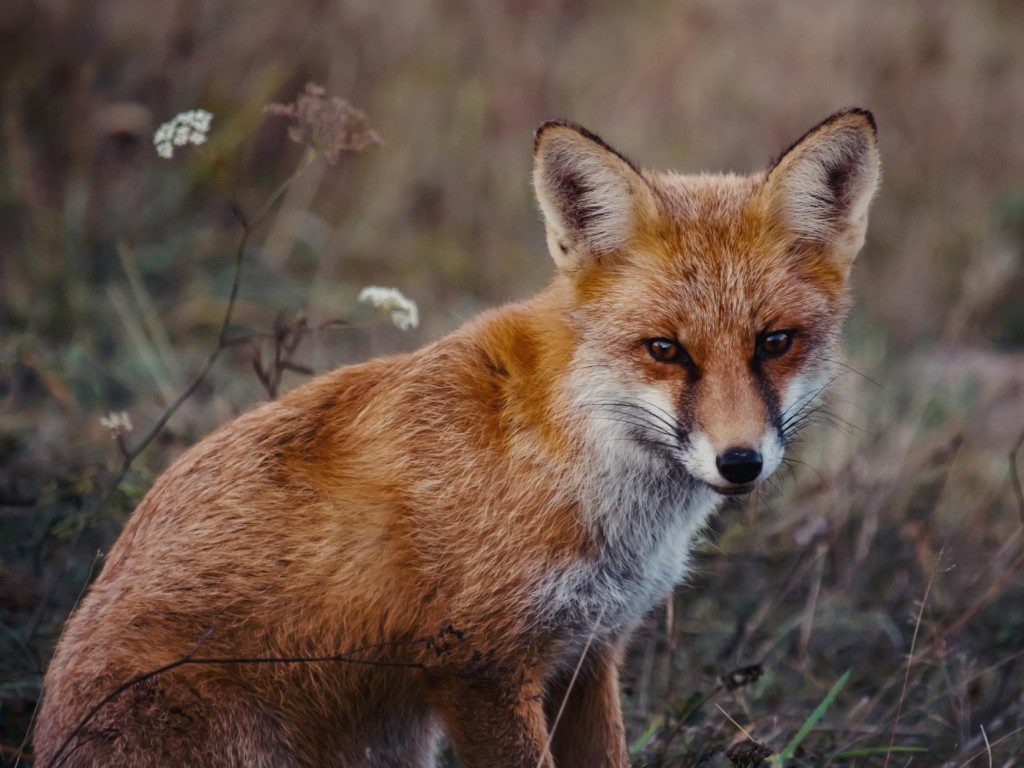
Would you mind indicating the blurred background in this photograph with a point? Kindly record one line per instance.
(895, 546)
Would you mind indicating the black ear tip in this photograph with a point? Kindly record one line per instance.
(548, 125)
(580, 131)
(862, 115)
(568, 124)
(559, 124)
(867, 114)
(848, 115)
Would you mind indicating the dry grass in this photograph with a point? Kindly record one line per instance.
(115, 267)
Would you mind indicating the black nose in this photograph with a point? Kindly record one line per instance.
(739, 465)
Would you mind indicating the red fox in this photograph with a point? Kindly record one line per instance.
(463, 538)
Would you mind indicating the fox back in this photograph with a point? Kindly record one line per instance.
(464, 538)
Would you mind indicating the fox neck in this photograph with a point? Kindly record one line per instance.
(627, 492)
(638, 510)
(645, 509)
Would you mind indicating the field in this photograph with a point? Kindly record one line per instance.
(892, 548)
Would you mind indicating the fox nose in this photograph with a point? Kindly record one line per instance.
(739, 465)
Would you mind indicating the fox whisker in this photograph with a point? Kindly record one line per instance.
(648, 410)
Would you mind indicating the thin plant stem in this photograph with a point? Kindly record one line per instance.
(129, 455)
(568, 689)
(910, 659)
(350, 657)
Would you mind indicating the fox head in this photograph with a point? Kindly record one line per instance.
(706, 309)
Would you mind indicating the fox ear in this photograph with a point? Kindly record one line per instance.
(821, 188)
(592, 197)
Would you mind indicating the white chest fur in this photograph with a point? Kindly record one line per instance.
(643, 523)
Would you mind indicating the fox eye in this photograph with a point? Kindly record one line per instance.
(667, 351)
(774, 344)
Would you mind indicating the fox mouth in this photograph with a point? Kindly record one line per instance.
(734, 490)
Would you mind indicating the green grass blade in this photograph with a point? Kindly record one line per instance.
(780, 759)
(639, 744)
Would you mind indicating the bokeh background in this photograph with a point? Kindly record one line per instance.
(895, 546)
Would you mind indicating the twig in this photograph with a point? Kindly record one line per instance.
(131, 454)
(349, 657)
(39, 701)
(568, 688)
(120, 689)
(739, 727)
(666, 743)
(83, 523)
(669, 671)
(1015, 478)
(18, 753)
(812, 602)
(910, 659)
(988, 747)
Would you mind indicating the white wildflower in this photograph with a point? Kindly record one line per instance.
(117, 423)
(403, 311)
(186, 128)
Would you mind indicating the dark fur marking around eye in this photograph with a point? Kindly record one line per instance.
(769, 396)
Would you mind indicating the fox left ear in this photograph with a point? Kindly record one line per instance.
(592, 197)
(821, 188)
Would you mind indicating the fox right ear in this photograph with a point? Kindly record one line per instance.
(592, 197)
(821, 188)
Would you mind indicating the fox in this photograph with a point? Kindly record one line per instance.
(462, 540)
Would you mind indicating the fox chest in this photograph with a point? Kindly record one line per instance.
(640, 553)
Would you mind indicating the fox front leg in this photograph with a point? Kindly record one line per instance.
(494, 724)
(589, 731)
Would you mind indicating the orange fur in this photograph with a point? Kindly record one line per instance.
(472, 517)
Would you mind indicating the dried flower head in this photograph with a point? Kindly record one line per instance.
(741, 676)
(329, 125)
(184, 128)
(748, 754)
(403, 311)
(118, 423)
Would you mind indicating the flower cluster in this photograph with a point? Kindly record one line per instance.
(329, 125)
(403, 311)
(185, 128)
(117, 423)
